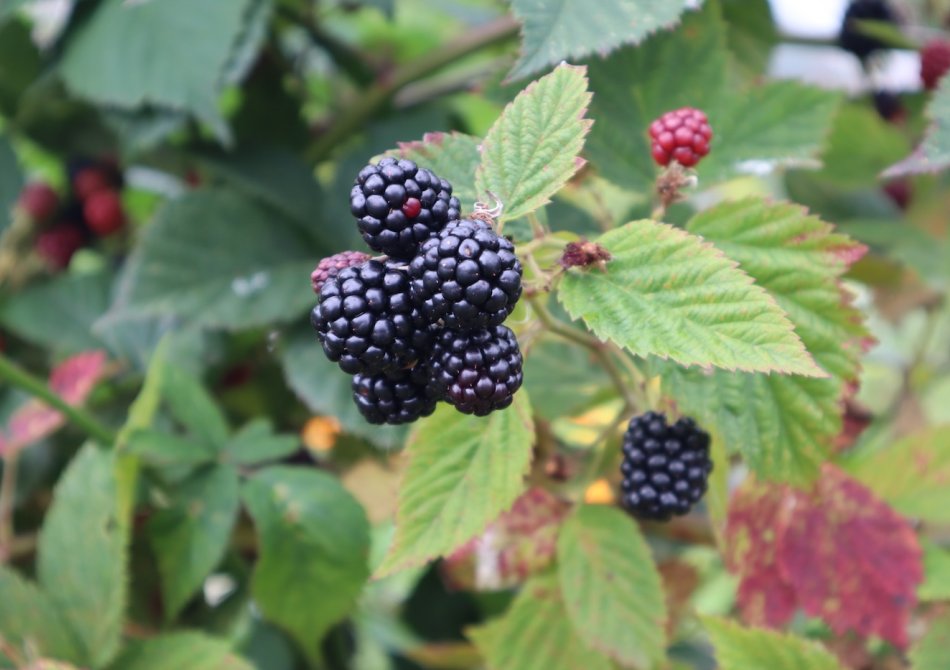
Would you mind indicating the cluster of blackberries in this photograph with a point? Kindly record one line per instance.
(665, 468)
(423, 323)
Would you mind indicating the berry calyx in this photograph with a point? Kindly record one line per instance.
(477, 372)
(467, 276)
(665, 468)
(103, 212)
(851, 38)
(57, 245)
(39, 201)
(934, 62)
(331, 267)
(682, 135)
(394, 399)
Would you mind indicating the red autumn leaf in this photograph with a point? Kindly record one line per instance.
(72, 380)
(520, 542)
(836, 551)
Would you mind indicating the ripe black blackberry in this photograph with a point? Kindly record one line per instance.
(476, 372)
(366, 322)
(399, 205)
(331, 266)
(665, 467)
(851, 38)
(402, 397)
(467, 276)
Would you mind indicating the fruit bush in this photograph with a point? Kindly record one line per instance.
(634, 357)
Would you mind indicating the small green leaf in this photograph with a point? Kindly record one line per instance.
(81, 564)
(29, 620)
(669, 294)
(931, 651)
(192, 650)
(158, 448)
(936, 584)
(193, 406)
(739, 648)
(256, 443)
(576, 28)
(610, 585)
(452, 156)
(463, 472)
(533, 148)
(314, 548)
(190, 537)
(536, 634)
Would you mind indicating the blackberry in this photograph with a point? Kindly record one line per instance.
(889, 106)
(665, 468)
(399, 205)
(467, 276)
(477, 372)
(330, 267)
(399, 398)
(366, 322)
(851, 39)
(682, 135)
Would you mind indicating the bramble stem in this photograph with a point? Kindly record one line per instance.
(38, 388)
(7, 495)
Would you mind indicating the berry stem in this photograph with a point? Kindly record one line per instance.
(7, 495)
(38, 388)
(536, 226)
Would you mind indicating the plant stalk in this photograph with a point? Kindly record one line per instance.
(7, 496)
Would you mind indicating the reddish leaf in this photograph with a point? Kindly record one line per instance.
(520, 542)
(73, 380)
(836, 551)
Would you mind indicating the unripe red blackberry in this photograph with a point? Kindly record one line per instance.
(398, 398)
(57, 245)
(665, 468)
(682, 135)
(400, 205)
(330, 267)
(103, 212)
(90, 180)
(934, 62)
(39, 201)
(477, 372)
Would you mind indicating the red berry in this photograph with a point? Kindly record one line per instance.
(39, 201)
(103, 212)
(58, 244)
(934, 62)
(90, 180)
(411, 208)
(682, 135)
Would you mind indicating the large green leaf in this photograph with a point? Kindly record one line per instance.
(739, 648)
(463, 472)
(533, 148)
(783, 425)
(932, 651)
(536, 634)
(936, 146)
(29, 620)
(218, 259)
(314, 549)
(850, 160)
(190, 536)
(611, 588)
(562, 378)
(752, 33)
(452, 156)
(167, 58)
(670, 294)
(81, 564)
(192, 405)
(192, 650)
(573, 29)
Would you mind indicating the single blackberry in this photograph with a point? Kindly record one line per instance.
(467, 276)
(399, 205)
(889, 106)
(477, 372)
(934, 62)
(665, 468)
(366, 322)
(682, 135)
(851, 38)
(330, 267)
(399, 398)
(39, 201)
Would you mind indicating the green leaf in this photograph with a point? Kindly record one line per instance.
(533, 148)
(930, 653)
(256, 443)
(452, 156)
(20, 66)
(752, 33)
(159, 448)
(189, 537)
(193, 406)
(562, 378)
(28, 619)
(912, 474)
(213, 276)
(936, 146)
(739, 648)
(168, 58)
(11, 181)
(314, 548)
(610, 585)
(536, 634)
(192, 650)
(852, 161)
(81, 562)
(576, 28)
(782, 425)
(669, 294)
(936, 584)
(463, 472)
